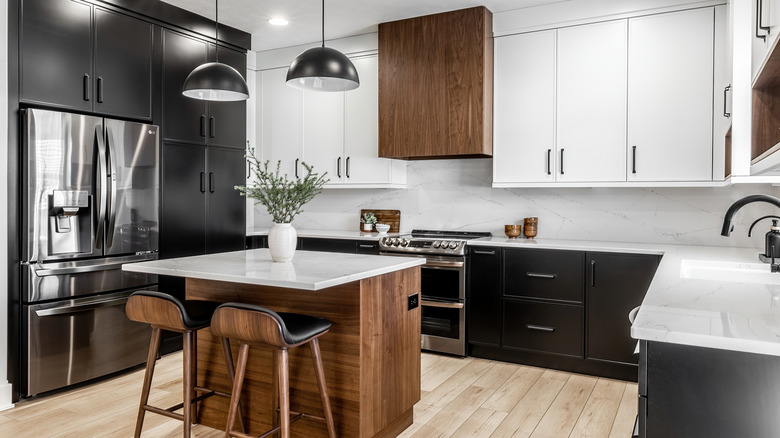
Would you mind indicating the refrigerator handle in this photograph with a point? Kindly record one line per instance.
(66, 310)
(112, 183)
(100, 183)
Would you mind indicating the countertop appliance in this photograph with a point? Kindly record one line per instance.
(443, 294)
(89, 204)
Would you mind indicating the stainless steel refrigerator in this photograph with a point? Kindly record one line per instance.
(90, 204)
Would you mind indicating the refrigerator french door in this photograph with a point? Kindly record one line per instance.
(90, 204)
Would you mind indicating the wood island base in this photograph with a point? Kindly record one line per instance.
(371, 356)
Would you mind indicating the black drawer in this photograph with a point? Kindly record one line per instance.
(545, 274)
(546, 327)
(367, 247)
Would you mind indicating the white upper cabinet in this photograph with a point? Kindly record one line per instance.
(335, 132)
(281, 121)
(360, 161)
(766, 25)
(524, 109)
(591, 102)
(670, 96)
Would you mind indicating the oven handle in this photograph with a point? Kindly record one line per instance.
(430, 303)
(64, 310)
(430, 261)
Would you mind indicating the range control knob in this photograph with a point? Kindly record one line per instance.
(404, 242)
(436, 244)
(453, 245)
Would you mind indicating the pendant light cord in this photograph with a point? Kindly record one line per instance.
(323, 23)
(216, 32)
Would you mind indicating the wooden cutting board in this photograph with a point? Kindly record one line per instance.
(389, 217)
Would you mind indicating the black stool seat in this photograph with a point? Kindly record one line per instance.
(195, 315)
(296, 328)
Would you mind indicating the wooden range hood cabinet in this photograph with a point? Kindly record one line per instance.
(436, 86)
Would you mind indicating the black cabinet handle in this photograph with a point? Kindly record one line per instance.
(248, 170)
(549, 154)
(347, 167)
(561, 161)
(537, 275)
(202, 126)
(476, 251)
(211, 182)
(100, 89)
(296, 167)
(592, 273)
(540, 328)
(338, 167)
(725, 91)
(212, 127)
(633, 159)
(760, 19)
(203, 182)
(87, 85)
(366, 245)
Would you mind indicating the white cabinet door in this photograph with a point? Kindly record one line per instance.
(591, 102)
(281, 121)
(362, 164)
(768, 18)
(524, 108)
(670, 96)
(323, 133)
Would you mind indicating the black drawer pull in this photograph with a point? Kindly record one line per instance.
(476, 251)
(535, 275)
(541, 328)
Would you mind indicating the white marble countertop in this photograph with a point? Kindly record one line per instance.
(309, 270)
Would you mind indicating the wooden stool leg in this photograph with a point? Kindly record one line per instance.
(151, 360)
(320, 372)
(284, 390)
(243, 355)
(232, 376)
(194, 381)
(187, 399)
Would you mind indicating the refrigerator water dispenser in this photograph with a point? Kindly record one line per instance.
(68, 216)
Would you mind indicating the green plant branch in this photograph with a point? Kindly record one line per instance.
(282, 197)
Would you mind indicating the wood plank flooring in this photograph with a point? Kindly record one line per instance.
(461, 398)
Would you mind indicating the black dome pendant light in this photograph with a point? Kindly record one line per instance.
(215, 81)
(323, 68)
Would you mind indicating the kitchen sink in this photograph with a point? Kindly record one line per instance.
(728, 271)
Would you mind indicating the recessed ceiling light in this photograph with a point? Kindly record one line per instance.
(278, 21)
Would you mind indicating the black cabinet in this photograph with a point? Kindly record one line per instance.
(201, 212)
(616, 284)
(78, 56)
(192, 120)
(558, 309)
(254, 242)
(326, 245)
(707, 392)
(483, 296)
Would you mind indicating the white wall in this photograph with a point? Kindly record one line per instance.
(5, 387)
(457, 194)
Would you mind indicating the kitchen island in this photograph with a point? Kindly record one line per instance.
(371, 355)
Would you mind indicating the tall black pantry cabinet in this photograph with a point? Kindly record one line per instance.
(203, 156)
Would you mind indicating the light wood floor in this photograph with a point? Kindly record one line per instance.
(460, 398)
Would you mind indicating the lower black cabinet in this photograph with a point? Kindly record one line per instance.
(326, 245)
(254, 242)
(543, 327)
(483, 296)
(616, 284)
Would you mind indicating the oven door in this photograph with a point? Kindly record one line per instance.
(443, 326)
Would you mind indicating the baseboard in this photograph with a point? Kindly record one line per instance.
(6, 400)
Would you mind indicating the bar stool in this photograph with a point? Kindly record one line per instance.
(255, 325)
(164, 312)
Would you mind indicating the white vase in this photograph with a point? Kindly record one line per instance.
(282, 240)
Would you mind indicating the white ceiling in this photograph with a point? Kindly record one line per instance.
(342, 17)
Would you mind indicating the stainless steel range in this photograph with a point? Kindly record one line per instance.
(443, 295)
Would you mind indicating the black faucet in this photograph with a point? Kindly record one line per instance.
(728, 226)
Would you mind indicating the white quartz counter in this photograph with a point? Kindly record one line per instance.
(309, 270)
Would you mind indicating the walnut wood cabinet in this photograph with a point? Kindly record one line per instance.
(436, 86)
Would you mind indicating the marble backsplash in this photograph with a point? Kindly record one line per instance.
(456, 195)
